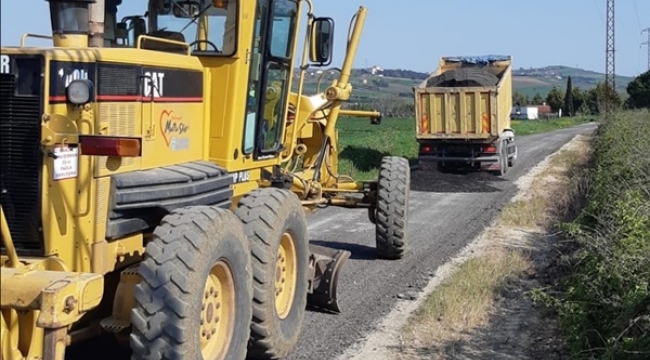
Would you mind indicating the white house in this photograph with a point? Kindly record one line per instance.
(524, 113)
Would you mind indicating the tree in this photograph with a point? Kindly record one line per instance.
(519, 99)
(568, 99)
(579, 97)
(554, 99)
(597, 96)
(639, 91)
(538, 99)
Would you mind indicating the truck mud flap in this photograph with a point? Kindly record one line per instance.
(324, 265)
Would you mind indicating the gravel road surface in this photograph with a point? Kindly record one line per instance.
(446, 212)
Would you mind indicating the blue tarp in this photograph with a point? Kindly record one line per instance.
(482, 60)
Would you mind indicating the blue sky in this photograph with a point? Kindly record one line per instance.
(414, 34)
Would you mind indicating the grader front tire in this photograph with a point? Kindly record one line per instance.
(194, 300)
(392, 207)
(277, 231)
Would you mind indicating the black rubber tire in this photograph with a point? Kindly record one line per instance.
(391, 229)
(266, 215)
(512, 161)
(166, 316)
(372, 214)
(464, 77)
(503, 161)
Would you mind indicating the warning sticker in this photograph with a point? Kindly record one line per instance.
(66, 163)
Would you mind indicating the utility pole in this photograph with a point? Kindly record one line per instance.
(647, 44)
(610, 69)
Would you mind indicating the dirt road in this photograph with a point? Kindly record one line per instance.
(446, 212)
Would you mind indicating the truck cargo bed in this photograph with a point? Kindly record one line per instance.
(465, 98)
(462, 114)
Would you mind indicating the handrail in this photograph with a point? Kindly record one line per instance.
(36, 36)
(8, 241)
(164, 41)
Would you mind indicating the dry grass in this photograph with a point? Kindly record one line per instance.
(467, 300)
(552, 192)
(462, 302)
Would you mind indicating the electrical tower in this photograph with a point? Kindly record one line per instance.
(647, 43)
(610, 68)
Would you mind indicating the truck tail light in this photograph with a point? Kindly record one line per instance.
(428, 149)
(110, 146)
(490, 149)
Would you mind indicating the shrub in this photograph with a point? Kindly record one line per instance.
(605, 301)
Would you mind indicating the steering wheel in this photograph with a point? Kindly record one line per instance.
(207, 42)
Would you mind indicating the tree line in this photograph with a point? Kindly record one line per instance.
(573, 100)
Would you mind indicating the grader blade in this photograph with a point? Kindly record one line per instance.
(325, 264)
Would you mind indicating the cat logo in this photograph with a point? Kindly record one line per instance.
(154, 84)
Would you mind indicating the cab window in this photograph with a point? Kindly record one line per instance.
(269, 76)
(209, 26)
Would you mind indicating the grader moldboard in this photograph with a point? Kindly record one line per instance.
(157, 172)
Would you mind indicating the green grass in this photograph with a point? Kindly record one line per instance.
(363, 145)
(604, 301)
(530, 127)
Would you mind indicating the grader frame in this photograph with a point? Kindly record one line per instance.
(93, 271)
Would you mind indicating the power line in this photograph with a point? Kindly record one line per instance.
(647, 43)
(610, 64)
(636, 11)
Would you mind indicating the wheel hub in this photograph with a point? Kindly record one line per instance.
(285, 276)
(217, 312)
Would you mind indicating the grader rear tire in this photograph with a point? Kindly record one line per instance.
(392, 207)
(194, 300)
(277, 232)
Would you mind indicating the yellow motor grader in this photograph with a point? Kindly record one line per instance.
(156, 172)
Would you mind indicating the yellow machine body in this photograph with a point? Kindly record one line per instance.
(106, 140)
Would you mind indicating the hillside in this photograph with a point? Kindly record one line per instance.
(530, 81)
(397, 83)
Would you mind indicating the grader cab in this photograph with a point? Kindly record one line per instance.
(156, 172)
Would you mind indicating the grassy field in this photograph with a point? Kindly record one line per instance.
(363, 145)
(528, 127)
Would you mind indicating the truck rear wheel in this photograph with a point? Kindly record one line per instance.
(392, 207)
(194, 300)
(512, 161)
(276, 227)
(503, 160)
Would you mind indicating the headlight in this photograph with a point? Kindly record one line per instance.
(80, 91)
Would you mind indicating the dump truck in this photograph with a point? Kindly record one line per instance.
(156, 175)
(462, 113)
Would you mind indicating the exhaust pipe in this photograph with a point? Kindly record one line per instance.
(96, 24)
(70, 20)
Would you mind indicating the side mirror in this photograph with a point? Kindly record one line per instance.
(322, 41)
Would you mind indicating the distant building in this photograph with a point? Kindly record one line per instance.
(524, 113)
(530, 112)
(376, 70)
(544, 109)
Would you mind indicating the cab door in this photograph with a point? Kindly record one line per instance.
(270, 77)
